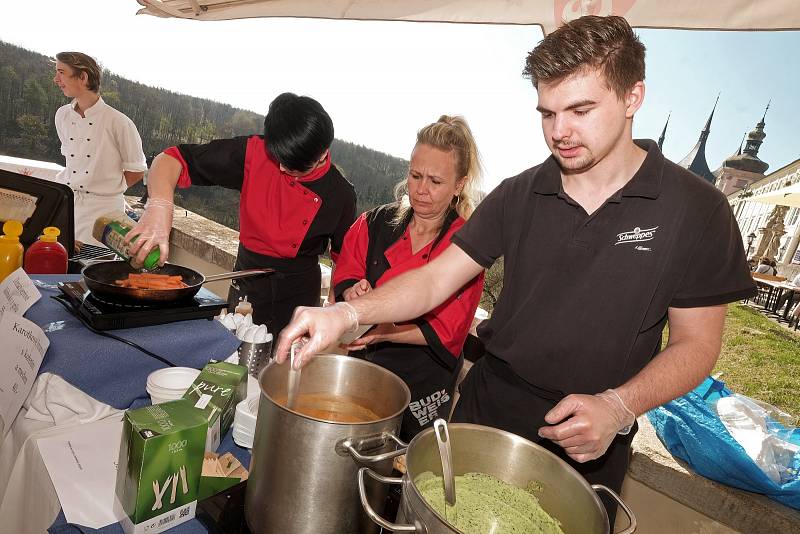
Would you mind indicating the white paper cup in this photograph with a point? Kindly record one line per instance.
(155, 399)
(170, 383)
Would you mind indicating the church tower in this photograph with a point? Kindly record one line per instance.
(695, 160)
(744, 167)
(663, 134)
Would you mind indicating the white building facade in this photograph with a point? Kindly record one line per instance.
(753, 216)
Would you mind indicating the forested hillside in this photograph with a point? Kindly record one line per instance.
(29, 99)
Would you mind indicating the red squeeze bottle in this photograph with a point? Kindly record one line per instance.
(47, 255)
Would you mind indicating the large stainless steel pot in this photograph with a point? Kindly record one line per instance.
(565, 494)
(302, 469)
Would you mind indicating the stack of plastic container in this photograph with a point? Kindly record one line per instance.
(170, 383)
(244, 422)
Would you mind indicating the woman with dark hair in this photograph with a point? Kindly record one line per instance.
(436, 198)
(293, 204)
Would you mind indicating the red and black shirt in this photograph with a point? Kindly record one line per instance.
(377, 249)
(279, 215)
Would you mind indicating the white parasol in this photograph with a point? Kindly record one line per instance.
(681, 14)
(785, 196)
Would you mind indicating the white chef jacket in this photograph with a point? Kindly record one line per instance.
(97, 148)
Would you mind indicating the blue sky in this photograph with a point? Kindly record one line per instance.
(687, 69)
(381, 81)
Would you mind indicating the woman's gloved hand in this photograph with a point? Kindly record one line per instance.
(152, 231)
(361, 287)
(378, 334)
(321, 327)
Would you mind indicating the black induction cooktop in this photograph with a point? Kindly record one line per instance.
(104, 315)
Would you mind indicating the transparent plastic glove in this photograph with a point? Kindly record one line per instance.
(322, 326)
(585, 425)
(153, 231)
(378, 334)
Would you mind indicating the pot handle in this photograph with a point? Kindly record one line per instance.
(352, 445)
(362, 492)
(631, 518)
(237, 274)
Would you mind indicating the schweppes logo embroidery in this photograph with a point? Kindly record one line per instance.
(637, 235)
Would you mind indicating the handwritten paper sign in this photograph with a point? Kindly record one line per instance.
(21, 355)
(17, 293)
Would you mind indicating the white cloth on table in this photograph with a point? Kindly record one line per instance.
(54, 400)
(28, 500)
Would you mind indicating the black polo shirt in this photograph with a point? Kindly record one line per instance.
(585, 297)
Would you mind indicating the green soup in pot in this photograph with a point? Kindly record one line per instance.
(486, 504)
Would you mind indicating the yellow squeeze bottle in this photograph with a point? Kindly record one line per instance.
(11, 250)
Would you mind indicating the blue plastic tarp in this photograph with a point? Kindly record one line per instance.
(691, 430)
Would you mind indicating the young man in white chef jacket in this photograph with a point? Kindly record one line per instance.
(101, 146)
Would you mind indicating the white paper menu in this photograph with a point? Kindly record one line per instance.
(21, 354)
(82, 463)
(17, 293)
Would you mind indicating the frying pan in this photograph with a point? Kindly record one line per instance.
(99, 278)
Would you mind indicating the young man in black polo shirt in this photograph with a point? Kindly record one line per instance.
(604, 243)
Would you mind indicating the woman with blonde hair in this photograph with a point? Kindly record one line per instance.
(435, 199)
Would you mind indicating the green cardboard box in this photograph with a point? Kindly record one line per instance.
(216, 391)
(160, 463)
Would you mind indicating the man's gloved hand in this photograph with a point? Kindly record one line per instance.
(585, 425)
(152, 231)
(322, 326)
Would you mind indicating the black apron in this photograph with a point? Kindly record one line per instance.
(295, 282)
(492, 394)
(430, 377)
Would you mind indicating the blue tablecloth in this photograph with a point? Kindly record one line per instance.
(109, 370)
(116, 373)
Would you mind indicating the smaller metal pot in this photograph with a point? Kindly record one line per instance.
(565, 494)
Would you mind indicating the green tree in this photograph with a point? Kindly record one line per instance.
(245, 123)
(32, 134)
(202, 132)
(34, 97)
(493, 285)
(112, 98)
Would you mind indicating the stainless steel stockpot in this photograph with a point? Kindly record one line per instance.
(302, 469)
(564, 494)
